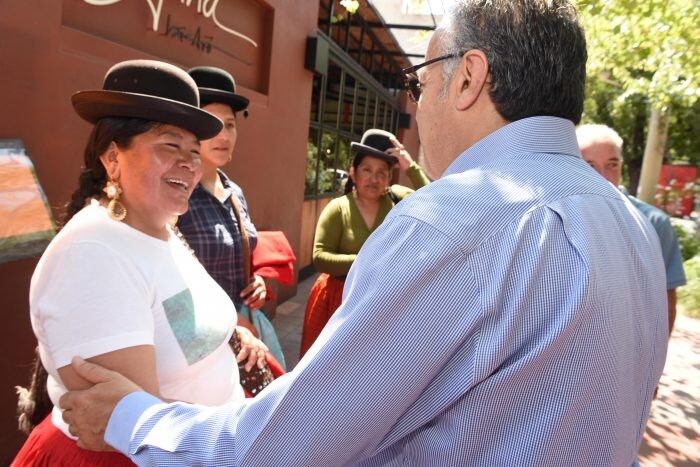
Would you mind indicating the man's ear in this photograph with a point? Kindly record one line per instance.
(469, 78)
(110, 161)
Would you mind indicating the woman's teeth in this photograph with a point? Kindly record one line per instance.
(183, 185)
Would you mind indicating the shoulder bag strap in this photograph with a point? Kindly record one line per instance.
(245, 242)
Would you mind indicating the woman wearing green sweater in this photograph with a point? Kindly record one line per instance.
(346, 222)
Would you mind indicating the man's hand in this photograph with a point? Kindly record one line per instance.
(87, 412)
(253, 350)
(399, 152)
(255, 294)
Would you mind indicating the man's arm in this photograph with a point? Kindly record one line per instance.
(671, 309)
(378, 354)
(88, 411)
(671, 252)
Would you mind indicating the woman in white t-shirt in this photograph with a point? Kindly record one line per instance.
(118, 285)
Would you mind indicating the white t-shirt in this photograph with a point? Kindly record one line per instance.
(102, 285)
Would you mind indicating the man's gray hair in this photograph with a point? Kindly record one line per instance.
(536, 51)
(594, 133)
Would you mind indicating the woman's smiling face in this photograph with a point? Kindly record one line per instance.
(157, 173)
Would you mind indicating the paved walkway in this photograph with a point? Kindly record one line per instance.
(289, 318)
(673, 433)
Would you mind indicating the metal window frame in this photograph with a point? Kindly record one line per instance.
(375, 91)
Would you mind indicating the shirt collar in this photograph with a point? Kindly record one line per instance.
(529, 135)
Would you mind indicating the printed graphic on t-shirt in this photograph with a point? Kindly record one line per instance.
(197, 338)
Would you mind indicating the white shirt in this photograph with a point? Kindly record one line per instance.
(102, 286)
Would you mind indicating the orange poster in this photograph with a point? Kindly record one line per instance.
(26, 224)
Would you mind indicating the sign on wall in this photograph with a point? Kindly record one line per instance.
(232, 34)
(26, 224)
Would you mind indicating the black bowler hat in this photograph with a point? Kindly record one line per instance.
(150, 90)
(374, 142)
(217, 85)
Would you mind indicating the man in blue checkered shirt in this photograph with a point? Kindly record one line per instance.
(510, 313)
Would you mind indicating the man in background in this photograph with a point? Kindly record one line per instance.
(601, 147)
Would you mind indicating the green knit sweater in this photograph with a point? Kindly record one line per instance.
(341, 230)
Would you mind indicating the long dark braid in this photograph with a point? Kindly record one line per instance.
(33, 403)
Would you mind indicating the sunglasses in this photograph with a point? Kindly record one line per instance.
(412, 82)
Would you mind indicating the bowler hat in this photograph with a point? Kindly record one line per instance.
(373, 143)
(150, 90)
(217, 85)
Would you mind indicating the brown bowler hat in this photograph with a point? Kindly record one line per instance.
(374, 142)
(217, 85)
(150, 90)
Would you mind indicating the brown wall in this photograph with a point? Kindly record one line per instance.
(45, 61)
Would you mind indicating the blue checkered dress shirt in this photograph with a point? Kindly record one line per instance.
(211, 229)
(511, 313)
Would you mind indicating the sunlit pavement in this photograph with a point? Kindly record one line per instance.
(289, 320)
(673, 434)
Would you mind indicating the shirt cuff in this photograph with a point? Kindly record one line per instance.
(675, 283)
(124, 418)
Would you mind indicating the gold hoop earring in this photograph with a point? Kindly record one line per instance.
(115, 209)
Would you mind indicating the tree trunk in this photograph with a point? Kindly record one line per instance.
(634, 151)
(653, 154)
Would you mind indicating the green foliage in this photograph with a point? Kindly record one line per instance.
(648, 48)
(689, 243)
(689, 295)
(325, 179)
(325, 162)
(642, 55)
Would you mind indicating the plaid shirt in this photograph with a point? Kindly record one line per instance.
(210, 227)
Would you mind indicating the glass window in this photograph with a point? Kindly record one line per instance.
(342, 165)
(326, 163)
(370, 110)
(316, 98)
(381, 116)
(311, 163)
(330, 110)
(360, 108)
(348, 102)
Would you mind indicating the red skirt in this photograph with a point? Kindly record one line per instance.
(324, 299)
(47, 446)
